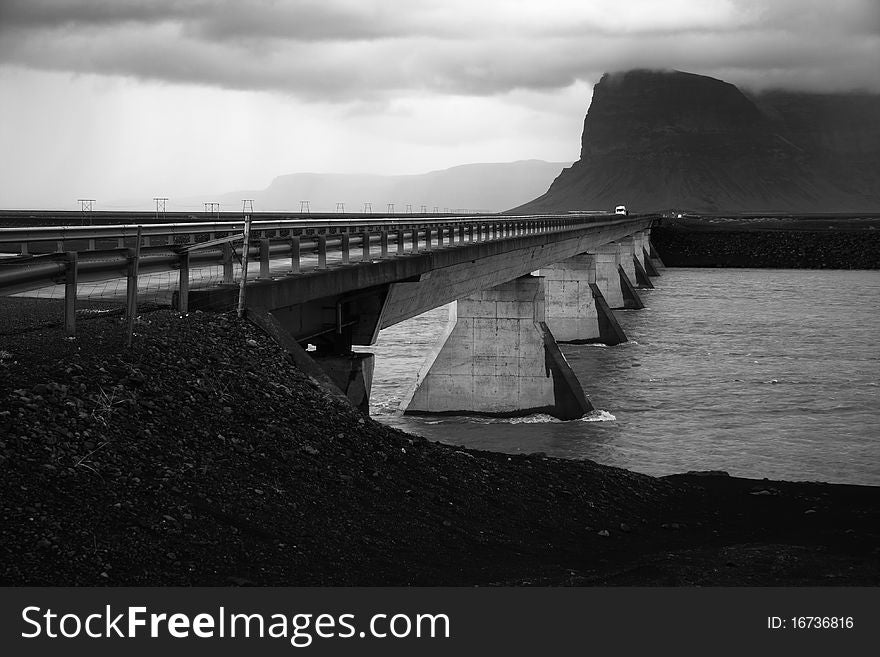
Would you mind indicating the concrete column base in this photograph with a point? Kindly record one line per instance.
(352, 374)
(497, 357)
(570, 310)
(606, 261)
(576, 311)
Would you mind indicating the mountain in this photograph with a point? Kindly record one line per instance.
(655, 140)
(470, 187)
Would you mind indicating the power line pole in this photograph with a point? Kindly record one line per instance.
(304, 207)
(368, 208)
(86, 205)
(340, 207)
(213, 208)
(160, 206)
(390, 208)
(247, 208)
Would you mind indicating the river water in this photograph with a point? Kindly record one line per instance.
(759, 372)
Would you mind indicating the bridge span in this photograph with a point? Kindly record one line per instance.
(521, 285)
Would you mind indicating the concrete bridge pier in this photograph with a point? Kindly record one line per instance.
(575, 308)
(497, 357)
(643, 252)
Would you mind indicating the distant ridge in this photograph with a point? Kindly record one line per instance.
(655, 140)
(490, 187)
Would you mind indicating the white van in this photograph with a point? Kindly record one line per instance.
(620, 209)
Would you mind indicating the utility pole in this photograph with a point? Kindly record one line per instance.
(160, 206)
(409, 208)
(247, 208)
(340, 207)
(368, 208)
(86, 205)
(213, 208)
(304, 207)
(390, 208)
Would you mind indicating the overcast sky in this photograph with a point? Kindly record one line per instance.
(116, 99)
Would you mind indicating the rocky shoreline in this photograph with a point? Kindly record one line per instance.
(778, 243)
(202, 456)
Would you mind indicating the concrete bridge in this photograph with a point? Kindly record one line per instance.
(522, 284)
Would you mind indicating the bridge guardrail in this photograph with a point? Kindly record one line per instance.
(339, 239)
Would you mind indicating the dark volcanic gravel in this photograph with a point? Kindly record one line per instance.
(202, 456)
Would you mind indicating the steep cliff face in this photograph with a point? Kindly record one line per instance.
(656, 140)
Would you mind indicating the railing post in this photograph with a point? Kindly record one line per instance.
(183, 287)
(344, 240)
(134, 256)
(294, 254)
(264, 257)
(227, 264)
(91, 244)
(383, 241)
(365, 246)
(322, 251)
(399, 242)
(70, 275)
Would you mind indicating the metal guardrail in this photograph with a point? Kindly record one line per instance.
(61, 234)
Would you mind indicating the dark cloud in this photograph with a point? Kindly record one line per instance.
(339, 50)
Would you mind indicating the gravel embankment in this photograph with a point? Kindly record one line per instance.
(202, 456)
(682, 245)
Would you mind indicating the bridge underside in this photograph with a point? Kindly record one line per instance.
(500, 346)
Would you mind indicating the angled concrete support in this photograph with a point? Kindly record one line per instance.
(497, 357)
(643, 251)
(631, 298)
(642, 278)
(610, 331)
(576, 311)
(649, 264)
(655, 256)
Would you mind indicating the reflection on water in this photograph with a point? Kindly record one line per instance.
(763, 373)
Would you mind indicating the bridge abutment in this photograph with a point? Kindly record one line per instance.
(498, 357)
(353, 375)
